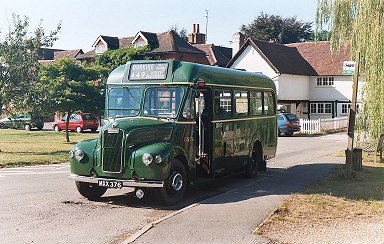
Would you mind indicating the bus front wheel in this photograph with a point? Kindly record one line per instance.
(175, 185)
(90, 191)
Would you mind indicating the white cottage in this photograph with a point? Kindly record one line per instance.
(307, 75)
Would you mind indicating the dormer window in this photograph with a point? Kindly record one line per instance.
(139, 42)
(100, 48)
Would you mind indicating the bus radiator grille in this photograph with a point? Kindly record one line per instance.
(112, 155)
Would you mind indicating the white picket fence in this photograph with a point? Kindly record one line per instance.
(323, 125)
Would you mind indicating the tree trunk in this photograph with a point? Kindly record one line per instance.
(66, 127)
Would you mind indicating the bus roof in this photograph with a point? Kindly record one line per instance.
(179, 72)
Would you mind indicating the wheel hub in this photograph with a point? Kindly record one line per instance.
(177, 181)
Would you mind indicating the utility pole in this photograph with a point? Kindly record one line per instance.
(206, 25)
(351, 121)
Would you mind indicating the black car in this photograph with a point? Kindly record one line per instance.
(288, 123)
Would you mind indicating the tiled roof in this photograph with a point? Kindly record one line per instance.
(112, 41)
(171, 42)
(320, 57)
(47, 53)
(216, 55)
(305, 58)
(68, 53)
(125, 41)
(87, 55)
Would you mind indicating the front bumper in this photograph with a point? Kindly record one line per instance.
(126, 183)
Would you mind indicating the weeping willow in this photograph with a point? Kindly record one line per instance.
(359, 24)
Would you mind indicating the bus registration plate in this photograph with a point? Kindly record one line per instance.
(110, 183)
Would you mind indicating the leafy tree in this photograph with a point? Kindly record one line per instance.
(182, 33)
(111, 59)
(19, 67)
(67, 86)
(274, 27)
(359, 25)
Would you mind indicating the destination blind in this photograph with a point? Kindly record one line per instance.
(148, 71)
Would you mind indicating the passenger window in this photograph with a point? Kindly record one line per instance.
(223, 104)
(189, 107)
(269, 103)
(256, 103)
(241, 101)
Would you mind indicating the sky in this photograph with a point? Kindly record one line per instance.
(83, 21)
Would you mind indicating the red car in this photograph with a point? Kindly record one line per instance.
(77, 122)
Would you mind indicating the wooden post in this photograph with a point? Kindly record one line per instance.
(351, 121)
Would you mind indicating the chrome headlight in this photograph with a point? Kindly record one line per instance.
(79, 155)
(71, 154)
(147, 159)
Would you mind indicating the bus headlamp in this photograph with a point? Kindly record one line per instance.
(79, 155)
(71, 154)
(147, 159)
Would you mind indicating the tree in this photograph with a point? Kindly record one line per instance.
(274, 27)
(359, 24)
(111, 59)
(19, 67)
(67, 86)
(182, 33)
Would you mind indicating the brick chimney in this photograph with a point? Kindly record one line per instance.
(237, 42)
(196, 37)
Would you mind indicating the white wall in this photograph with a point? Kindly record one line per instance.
(293, 87)
(251, 61)
(342, 89)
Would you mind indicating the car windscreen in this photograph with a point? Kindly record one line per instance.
(291, 117)
(88, 117)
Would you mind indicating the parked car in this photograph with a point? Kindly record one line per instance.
(288, 123)
(77, 122)
(23, 121)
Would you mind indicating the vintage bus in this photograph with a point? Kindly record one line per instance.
(173, 124)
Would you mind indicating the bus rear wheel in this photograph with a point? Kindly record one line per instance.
(89, 190)
(254, 163)
(175, 185)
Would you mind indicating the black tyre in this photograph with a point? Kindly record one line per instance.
(78, 129)
(253, 163)
(278, 132)
(40, 127)
(2, 126)
(175, 185)
(56, 128)
(93, 130)
(89, 190)
(288, 133)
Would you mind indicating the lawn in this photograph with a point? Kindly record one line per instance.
(333, 199)
(20, 147)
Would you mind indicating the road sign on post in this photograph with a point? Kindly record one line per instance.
(349, 67)
(352, 119)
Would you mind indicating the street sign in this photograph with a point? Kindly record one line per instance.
(348, 67)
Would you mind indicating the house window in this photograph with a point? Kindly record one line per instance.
(345, 108)
(313, 108)
(139, 43)
(325, 81)
(100, 49)
(321, 108)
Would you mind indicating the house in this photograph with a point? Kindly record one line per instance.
(308, 76)
(165, 45)
(50, 54)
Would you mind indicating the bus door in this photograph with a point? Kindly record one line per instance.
(204, 132)
(223, 136)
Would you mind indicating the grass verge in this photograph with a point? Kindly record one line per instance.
(333, 199)
(19, 147)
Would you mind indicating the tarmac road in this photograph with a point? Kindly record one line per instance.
(232, 216)
(40, 205)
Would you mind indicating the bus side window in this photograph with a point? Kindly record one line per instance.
(241, 102)
(269, 103)
(223, 104)
(256, 103)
